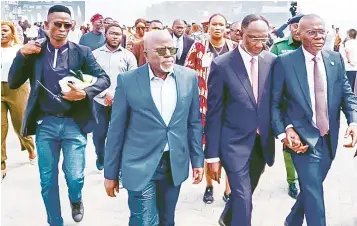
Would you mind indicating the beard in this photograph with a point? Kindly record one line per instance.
(166, 69)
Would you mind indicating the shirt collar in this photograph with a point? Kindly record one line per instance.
(309, 57)
(246, 56)
(62, 49)
(105, 49)
(152, 76)
(290, 40)
(180, 38)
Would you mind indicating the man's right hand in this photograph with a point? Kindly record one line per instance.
(110, 186)
(214, 170)
(293, 141)
(31, 47)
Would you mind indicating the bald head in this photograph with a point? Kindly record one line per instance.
(235, 31)
(178, 28)
(178, 22)
(159, 51)
(312, 33)
(153, 39)
(308, 21)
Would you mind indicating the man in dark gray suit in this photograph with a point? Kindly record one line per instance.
(313, 85)
(181, 41)
(155, 131)
(238, 129)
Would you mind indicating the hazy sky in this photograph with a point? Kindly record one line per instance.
(341, 13)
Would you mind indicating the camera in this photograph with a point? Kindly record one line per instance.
(293, 8)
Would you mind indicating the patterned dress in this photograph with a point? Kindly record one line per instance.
(194, 61)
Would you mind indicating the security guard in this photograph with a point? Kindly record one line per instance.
(290, 43)
(286, 45)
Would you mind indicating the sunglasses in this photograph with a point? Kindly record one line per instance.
(65, 25)
(163, 51)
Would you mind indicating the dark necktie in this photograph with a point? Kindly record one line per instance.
(320, 100)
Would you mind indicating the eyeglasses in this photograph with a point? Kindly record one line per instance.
(257, 40)
(156, 28)
(140, 28)
(115, 34)
(163, 51)
(237, 31)
(65, 25)
(314, 33)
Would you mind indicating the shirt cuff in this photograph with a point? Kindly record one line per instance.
(353, 124)
(212, 160)
(103, 93)
(282, 136)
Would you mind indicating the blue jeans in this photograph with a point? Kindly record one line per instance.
(156, 204)
(101, 129)
(312, 168)
(52, 135)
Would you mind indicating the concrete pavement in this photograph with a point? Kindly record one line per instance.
(22, 204)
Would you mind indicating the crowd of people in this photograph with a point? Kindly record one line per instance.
(213, 95)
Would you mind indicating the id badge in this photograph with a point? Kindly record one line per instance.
(207, 59)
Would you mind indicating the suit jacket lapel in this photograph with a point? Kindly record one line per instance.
(143, 80)
(330, 76)
(241, 72)
(73, 57)
(179, 86)
(263, 72)
(301, 73)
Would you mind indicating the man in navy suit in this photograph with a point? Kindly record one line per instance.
(58, 125)
(313, 85)
(181, 41)
(238, 129)
(155, 131)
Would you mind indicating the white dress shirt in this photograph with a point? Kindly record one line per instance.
(113, 63)
(310, 79)
(164, 94)
(246, 60)
(178, 42)
(351, 48)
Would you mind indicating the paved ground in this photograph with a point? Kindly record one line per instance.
(22, 203)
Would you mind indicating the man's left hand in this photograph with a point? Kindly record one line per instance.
(108, 99)
(351, 131)
(197, 175)
(74, 94)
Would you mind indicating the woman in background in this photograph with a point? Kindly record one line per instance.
(12, 100)
(199, 58)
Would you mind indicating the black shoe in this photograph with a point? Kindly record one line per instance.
(208, 196)
(226, 197)
(100, 164)
(293, 191)
(77, 211)
(226, 217)
(3, 177)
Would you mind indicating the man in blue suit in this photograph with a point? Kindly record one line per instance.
(238, 129)
(314, 87)
(58, 126)
(155, 131)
